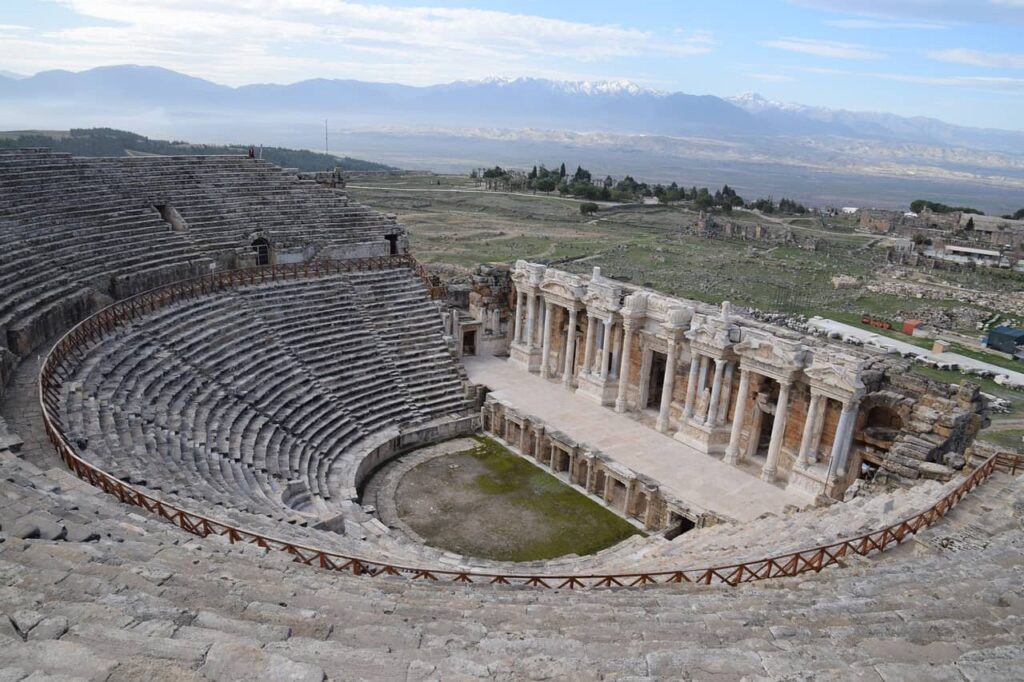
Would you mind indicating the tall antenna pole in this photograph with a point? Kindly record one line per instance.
(326, 153)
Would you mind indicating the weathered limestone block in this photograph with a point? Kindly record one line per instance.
(899, 469)
(920, 426)
(926, 414)
(31, 332)
(935, 471)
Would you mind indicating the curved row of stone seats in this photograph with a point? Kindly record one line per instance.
(234, 399)
(70, 239)
(125, 596)
(84, 230)
(222, 198)
(727, 544)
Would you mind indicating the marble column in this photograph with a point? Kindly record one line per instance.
(520, 299)
(691, 384)
(809, 426)
(723, 406)
(716, 392)
(531, 319)
(705, 362)
(549, 314)
(841, 444)
(627, 349)
(570, 348)
(616, 350)
(812, 451)
(666, 388)
(588, 349)
(771, 464)
(606, 344)
(732, 453)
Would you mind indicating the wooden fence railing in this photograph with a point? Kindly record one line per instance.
(59, 364)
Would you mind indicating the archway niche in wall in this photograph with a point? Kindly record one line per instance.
(883, 417)
(262, 247)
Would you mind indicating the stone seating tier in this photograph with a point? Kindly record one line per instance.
(124, 596)
(210, 398)
(84, 230)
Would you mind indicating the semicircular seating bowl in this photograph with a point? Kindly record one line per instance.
(79, 232)
(257, 404)
(265, 399)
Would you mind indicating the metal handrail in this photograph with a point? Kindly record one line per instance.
(70, 346)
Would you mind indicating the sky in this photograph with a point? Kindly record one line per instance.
(961, 61)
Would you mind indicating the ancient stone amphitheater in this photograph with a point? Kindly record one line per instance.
(204, 359)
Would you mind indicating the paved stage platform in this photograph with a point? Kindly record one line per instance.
(691, 476)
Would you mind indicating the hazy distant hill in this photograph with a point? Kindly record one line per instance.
(805, 120)
(109, 142)
(617, 107)
(815, 155)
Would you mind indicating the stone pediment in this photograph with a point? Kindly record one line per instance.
(840, 374)
(563, 286)
(603, 294)
(527, 273)
(711, 335)
(758, 349)
(635, 305)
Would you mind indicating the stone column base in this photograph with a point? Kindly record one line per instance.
(808, 482)
(707, 439)
(591, 387)
(528, 359)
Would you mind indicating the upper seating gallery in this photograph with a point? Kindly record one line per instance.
(79, 232)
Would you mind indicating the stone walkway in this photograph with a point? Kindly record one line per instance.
(689, 475)
(20, 409)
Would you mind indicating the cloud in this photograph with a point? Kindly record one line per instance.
(824, 48)
(883, 24)
(985, 83)
(991, 60)
(239, 41)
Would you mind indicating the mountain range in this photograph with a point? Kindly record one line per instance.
(618, 107)
(812, 153)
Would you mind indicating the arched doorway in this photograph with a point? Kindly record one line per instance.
(262, 247)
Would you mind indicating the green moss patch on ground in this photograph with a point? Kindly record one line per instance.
(1010, 438)
(490, 503)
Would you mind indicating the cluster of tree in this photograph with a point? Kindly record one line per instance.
(919, 205)
(582, 185)
(111, 142)
(1019, 215)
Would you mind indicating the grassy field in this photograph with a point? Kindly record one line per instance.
(488, 502)
(1010, 439)
(452, 222)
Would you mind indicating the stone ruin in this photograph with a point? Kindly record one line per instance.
(814, 413)
(714, 226)
(271, 344)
